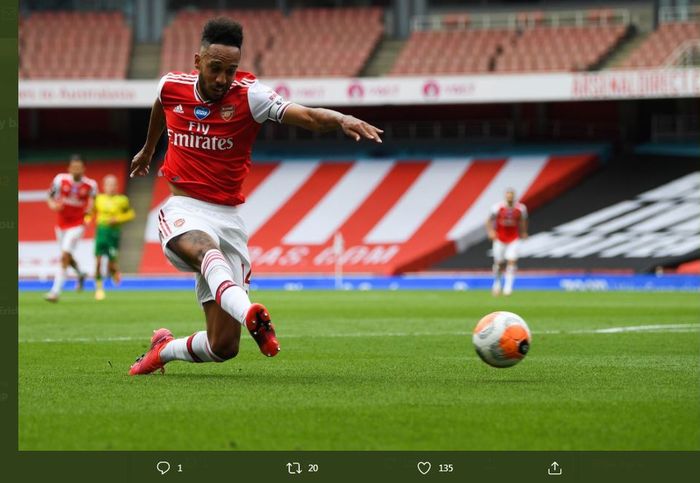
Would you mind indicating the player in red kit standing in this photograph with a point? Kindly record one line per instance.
(71, 196)
(506, 226)
(212, 117)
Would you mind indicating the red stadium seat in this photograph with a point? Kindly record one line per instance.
(660, 46)
(57, 50)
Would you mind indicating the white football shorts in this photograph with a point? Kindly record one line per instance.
(223, 223)
(505, 251)
(68, 238)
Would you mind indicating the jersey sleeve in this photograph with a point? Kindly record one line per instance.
(93, 188)
(523, 211)
(265, 104)
(126, 212)
(54, 189)
(161, 84)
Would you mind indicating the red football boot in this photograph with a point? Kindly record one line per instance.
(257, 320)
(150, 361)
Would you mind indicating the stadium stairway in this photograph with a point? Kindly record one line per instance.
(623, 50)
(145, 61)
(140, 192)
(383, 58)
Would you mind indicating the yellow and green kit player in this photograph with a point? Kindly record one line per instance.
(112, 210)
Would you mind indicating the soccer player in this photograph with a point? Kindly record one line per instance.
(212, 117)
(112, 211)
(71, 196)
(506, 225)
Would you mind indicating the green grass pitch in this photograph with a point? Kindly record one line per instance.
(366, 371)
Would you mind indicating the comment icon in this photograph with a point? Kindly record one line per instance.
(163, 467)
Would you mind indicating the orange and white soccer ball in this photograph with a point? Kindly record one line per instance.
(502, 339)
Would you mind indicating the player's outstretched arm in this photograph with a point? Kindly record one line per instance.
(322, 120)
(523, 228)
(142, 161)
(489, 228)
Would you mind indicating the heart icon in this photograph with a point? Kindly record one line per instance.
(424, 467)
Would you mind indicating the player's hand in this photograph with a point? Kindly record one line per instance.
(492, 235)
(524, 236)
(56, 205)
(140, 165)
(358, 129)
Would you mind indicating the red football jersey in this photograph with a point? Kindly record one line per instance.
(209, 143)
(507, 220)
(74, 195)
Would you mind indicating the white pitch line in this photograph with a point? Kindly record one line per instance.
(607, 330)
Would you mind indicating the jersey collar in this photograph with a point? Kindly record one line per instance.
(196, 93)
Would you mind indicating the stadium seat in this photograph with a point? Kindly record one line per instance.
(59, 50)
(570, 48)
(659, 48)
(460, 51)
(534, 43)
(329, 42)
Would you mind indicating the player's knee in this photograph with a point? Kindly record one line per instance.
(65, 259)
(225, 348)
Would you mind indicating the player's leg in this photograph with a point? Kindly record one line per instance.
(225, 267)
(60, 275)
(216, 344)
(511, 255)
(113, 269)
(201, 252)
(498, 266)
(71, 238)
(99, 287)
(226, 276)
(113, 257)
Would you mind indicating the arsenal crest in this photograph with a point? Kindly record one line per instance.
(226, 112)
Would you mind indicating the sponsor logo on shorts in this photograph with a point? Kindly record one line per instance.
(179, 222)
(226, 112)
(201, 112)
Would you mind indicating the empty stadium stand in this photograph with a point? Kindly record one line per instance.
(459, 51)
(664, 45)
(181, 38)
(51, 47)
(326, 41)
(560, 48)
(519, 42)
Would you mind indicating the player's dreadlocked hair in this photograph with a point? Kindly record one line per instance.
(222, 30)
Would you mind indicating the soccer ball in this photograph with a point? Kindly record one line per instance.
(502, 339)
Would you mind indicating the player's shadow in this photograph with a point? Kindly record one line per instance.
(501, 382)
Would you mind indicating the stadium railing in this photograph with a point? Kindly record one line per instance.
(665, 46)
(515, 20)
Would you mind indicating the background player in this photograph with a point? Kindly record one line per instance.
(112, 210)
(506, 225)
(71, 196)
(212, 119)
